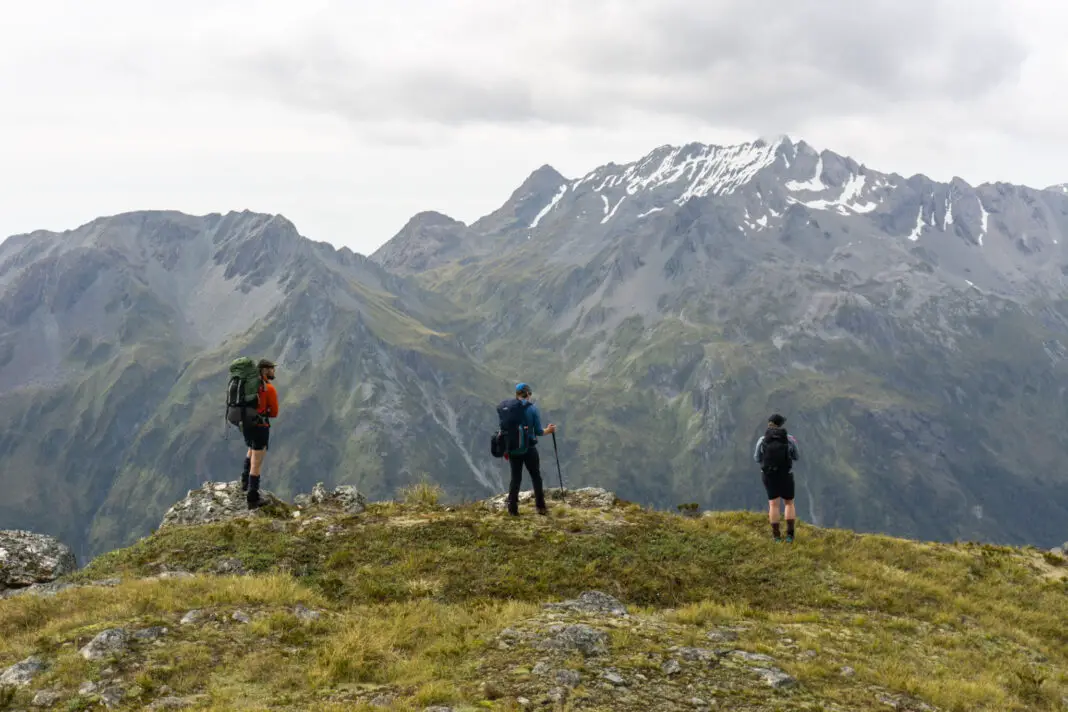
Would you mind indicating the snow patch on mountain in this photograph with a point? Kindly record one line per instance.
(552, 204)
(847, 202)
(612, 212)
(985, 219)
(815, 184)
(915, 234)
(706, 169)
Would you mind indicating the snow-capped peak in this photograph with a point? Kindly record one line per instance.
(699, 169)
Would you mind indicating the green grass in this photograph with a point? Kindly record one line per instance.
(413, 596)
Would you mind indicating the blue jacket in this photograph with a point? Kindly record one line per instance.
(533, 421)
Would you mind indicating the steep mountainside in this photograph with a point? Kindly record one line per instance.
(116, 338)
(913, 332)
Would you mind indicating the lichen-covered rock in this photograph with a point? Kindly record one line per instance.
(583, 638)
(27, 558)
(22, 673)
(113, 641)
(344, 497)
(584, 498)
(215, 502)
(594, 602)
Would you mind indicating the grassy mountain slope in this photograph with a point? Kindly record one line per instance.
(118, 336)
(413, 604)
(921, 375)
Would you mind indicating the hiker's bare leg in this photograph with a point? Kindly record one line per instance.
(257, 462)
(773, 510)
(791, 513)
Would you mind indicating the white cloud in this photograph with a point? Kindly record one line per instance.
(350, 117)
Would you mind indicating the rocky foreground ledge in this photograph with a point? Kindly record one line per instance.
(334, 603)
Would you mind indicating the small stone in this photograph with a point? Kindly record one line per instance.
(22, 673)
(776, 678)
(696, 654)
(568, 678)
(722, 636)
(170, 703)
(614, 678)
(752, 657)
(112, 696)
(170, 575)
(194, 616)
(671, 667)
(809, 655)
(541, 668)
(108, 583)
(592, 602)
(229, 566)
(558, 694)
(698, 702)
(87, 688)
(306, 614)
(46, 698)
(113, 641)
(522, 701)
(153, 633)
(847, 671)
(241, 617)
(583, 638)
(382, 701)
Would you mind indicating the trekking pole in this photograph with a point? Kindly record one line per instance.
(558, 473)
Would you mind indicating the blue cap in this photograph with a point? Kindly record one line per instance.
(521, 387)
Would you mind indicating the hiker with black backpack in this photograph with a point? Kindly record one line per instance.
(517, 440)
(776, 452)
(251, 401)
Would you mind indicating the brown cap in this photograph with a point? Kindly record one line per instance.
(265, 363)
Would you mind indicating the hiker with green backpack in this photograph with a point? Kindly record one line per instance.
(251, 401)
(517, 440)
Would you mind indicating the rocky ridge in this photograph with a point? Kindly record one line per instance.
(350, 604)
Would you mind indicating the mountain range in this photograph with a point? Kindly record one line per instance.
(912, 331)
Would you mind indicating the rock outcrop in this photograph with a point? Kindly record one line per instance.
(215, 502)
(344, 497)
(584, 498)
(27, 559)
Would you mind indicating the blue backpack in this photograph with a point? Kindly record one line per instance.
(513, 436)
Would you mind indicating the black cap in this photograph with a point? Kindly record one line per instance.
(777, 420)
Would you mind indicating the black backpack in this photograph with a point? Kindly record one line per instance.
(512, 437)
(776, 451)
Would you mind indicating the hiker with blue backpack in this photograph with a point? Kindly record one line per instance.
(517, 440)
(776, 452)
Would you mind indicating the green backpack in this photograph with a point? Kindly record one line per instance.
(243, 393)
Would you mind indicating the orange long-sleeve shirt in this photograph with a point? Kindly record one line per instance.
(268, 402)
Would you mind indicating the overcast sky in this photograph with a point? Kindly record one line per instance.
(349, 117)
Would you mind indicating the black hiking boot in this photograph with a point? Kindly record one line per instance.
(253, 498)
(543, 511)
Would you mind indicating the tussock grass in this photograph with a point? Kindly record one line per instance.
(412, 597)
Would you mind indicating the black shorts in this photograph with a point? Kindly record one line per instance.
(778, 484)
(257, 437)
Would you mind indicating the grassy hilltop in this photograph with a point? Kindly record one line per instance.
(412, 605)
